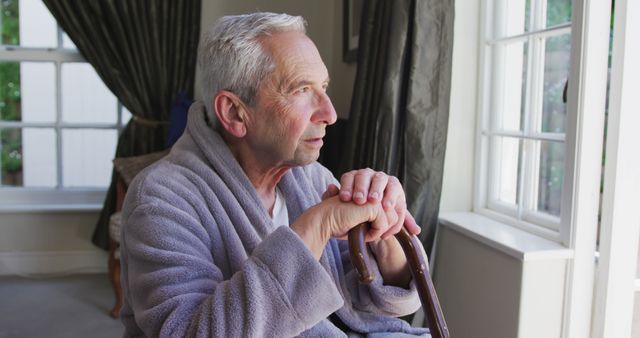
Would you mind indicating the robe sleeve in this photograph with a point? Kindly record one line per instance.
(175, 289)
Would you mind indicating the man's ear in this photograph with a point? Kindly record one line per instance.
(231, 113)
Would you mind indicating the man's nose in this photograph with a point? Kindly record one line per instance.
(325, 113)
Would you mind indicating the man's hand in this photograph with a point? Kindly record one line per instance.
(334, 218)
(366, 185)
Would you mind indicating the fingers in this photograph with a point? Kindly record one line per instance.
(366, 185)
(331, 191)
(383, 223)
(363, 185)
(411, 224)
(346, 186)
(393, 192)
(396, 220)
(355, 184)
(377, 187)
(378, 226)
(399, 212)
(339, 217)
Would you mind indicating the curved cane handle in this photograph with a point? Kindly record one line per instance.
(419, 270)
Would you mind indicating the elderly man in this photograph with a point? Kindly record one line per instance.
(238, 231)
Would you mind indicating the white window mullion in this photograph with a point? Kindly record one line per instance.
(119, 118)
(18, 54)
(59, 38)
(64, 125)
(526, 112)
(58, 128)
(541, 15)
(543, 33)
(522, 177)
(482, 183)
(530, 98)
(533, 126)
(497, 80)
(494, 179)
(552, 137)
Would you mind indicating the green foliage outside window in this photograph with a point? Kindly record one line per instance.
(10, 102)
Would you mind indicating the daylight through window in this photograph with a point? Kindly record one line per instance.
(59, 123)
(527, 54)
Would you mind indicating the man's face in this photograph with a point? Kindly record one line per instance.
(292, 109)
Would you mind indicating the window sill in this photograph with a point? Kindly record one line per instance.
(47, 200)
(512, 241)
(49, 208)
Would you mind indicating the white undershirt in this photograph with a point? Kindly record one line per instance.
(280, 213)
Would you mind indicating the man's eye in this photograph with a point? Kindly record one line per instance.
(302, 90)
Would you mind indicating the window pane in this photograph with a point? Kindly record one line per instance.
(10, 96)
(38, 84)
(556, 73)
(551, 176)
(87, 156)
(85, 98)
(511, 66)
(507, 171)
(11, 157)
(527, 16)
(67, 43)
(9, 11)
(39, 157)
(558, 12)
(38, 28)
(126, 115)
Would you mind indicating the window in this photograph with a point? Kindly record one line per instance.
(526, 57)
(527, 139)
(59, 123)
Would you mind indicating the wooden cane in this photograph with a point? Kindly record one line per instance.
(419, 270)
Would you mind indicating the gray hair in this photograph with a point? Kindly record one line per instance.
(231, 56)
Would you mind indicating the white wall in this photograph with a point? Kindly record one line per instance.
(457, 186)
(494, 280)
(49, 243)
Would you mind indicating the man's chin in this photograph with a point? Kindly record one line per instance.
(308, 158)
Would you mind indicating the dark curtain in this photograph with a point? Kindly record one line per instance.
(400, 106)
(145, 52)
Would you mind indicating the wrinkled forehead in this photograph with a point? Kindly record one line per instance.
(294, 55)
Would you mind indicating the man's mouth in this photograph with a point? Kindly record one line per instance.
(316, 141)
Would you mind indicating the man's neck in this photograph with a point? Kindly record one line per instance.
(263, 176)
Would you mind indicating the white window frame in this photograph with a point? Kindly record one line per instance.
(58, 198)
(617, 284)
(524, 216)
(586, 99)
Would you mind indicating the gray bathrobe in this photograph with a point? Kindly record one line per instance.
(201, 256)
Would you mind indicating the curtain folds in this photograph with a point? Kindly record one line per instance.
(400, 107)
(145, 52)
